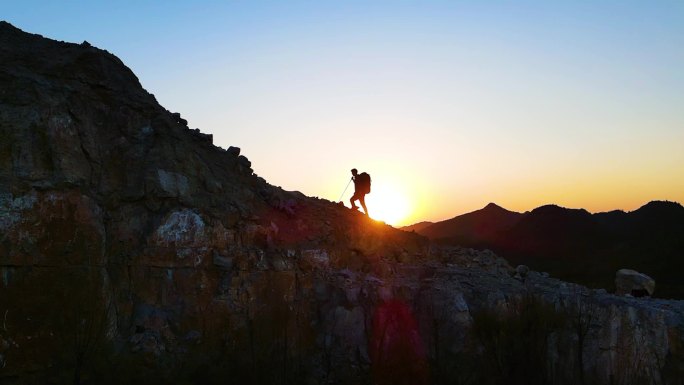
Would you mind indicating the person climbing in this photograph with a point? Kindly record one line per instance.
(362, 186)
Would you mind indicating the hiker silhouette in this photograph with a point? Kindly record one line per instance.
(362, 183)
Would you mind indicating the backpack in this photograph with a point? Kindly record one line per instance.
(364, 183)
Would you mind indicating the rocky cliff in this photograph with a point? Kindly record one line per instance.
(134, 250)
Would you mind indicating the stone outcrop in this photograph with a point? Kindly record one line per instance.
(134, 250)
(630, 282)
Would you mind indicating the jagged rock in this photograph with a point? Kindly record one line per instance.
(521, 271)
(313, 260)
(244, 161)
(225, 263)
(630, 282)
(177, 117)
(193, 336)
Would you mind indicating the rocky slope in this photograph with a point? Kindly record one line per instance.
(134, 250)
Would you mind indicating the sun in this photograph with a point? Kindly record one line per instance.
(388, 204)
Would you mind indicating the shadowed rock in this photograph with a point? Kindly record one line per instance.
(633, 283)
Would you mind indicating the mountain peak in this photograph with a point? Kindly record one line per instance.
(661, 205)
(556, 209)
(493, 206)
(476, 224)
(7, 26)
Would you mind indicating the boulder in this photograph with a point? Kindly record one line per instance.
(521, 271)
(631, 282)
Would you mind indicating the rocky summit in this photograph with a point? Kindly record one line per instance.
(133, 250)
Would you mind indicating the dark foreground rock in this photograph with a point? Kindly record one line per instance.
(132, 250)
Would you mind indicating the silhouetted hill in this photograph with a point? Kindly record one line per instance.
(576, 245)
(616, 221)
(551, 229)
(657, 216)
(473, 228)
(417, 227)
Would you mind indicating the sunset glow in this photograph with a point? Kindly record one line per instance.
(389, 204)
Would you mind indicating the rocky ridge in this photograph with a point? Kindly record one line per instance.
(134, 250)
(575, 245)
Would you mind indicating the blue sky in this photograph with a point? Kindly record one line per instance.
(449, 104)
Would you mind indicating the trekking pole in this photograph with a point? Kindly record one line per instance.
(345, 190)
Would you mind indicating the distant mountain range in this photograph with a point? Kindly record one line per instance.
(575, 245)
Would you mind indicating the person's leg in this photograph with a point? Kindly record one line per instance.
(353, 198)
(362, 199)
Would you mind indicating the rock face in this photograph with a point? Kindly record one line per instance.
(133, 250)
(630, 282)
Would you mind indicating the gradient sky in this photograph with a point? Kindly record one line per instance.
(448, 105)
